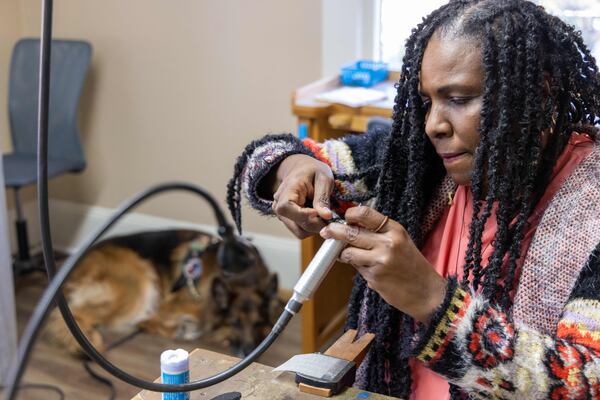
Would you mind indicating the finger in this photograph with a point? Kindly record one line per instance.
(288, 202)
(281, 189)
(294, 191)
(351, 234)
(305, 218)
(356, 257)
(312, 223)
(322, 196)
(368, 218)
(294, 228)
(289, 205)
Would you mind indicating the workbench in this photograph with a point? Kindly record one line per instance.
(256, 382)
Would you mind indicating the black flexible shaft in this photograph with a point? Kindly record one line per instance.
(52, 293)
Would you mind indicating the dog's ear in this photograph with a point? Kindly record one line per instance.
(220, 293)
(271, 286)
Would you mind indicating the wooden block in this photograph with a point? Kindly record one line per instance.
(347, 348)
(304, 388)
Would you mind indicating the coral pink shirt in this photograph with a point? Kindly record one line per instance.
(446, 245)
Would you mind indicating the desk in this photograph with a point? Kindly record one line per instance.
(256, 382)
(325, 314)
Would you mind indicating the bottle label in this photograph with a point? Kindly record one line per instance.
(183, 377)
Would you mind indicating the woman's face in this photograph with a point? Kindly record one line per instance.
(451, 86)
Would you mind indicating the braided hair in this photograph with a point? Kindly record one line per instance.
(519, 42)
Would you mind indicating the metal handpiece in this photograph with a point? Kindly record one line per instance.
(318, 268)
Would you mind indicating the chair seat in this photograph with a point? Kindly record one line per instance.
(21, 169)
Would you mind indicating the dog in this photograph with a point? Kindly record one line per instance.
(168, 283)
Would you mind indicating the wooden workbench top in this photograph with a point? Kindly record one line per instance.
(256, 382)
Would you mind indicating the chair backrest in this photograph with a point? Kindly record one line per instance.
(379, 123)
(69, 63)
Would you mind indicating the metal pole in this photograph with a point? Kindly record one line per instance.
(43, 106)
(8, 338)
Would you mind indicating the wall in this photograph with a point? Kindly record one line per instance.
(176, 90)
(348, 32)
(9, 32)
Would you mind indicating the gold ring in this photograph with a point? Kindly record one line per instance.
(385, 220)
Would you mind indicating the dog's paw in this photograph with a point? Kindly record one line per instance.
(188, 328)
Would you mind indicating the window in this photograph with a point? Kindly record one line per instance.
(583, 14)
(396, 21)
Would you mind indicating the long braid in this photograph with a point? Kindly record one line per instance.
(501, 189)
(488, 110)
(532, 123)
(495, 141)
(355, 302)
(402, 195)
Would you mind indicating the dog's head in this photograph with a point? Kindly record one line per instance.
(247, 312)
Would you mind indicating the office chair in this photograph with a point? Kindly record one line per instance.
(379, 123)
(69, 63)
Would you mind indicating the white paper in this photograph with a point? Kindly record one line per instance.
(352, 96)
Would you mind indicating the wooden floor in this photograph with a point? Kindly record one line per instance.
(139, 356)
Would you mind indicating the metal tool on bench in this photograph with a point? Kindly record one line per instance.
(326, 374)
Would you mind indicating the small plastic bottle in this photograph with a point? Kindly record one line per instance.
(175, 368)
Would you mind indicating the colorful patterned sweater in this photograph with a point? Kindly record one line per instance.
(548, 345)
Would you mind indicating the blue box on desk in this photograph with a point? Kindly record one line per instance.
(364, 73)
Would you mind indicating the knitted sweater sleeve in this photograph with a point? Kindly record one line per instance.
(478, 347)
(353, 159)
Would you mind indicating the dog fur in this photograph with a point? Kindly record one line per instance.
(127, 282)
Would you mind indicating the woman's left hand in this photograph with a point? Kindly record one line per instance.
(389, 261)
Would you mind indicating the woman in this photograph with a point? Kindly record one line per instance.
(479, 267)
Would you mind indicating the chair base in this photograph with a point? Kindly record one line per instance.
(35, 263)
(24, 267)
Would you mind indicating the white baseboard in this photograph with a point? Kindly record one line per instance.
(72, 223)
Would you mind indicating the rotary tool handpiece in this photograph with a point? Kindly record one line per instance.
(317, 269)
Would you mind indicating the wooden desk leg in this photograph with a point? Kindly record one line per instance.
(309, 329)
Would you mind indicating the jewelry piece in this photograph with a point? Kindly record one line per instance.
(450, 198)
(385, 220)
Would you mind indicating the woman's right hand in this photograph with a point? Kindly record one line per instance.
(301, 180)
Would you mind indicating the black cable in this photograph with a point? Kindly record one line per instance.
(52, 293)
(102, 379)
(41, 386)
